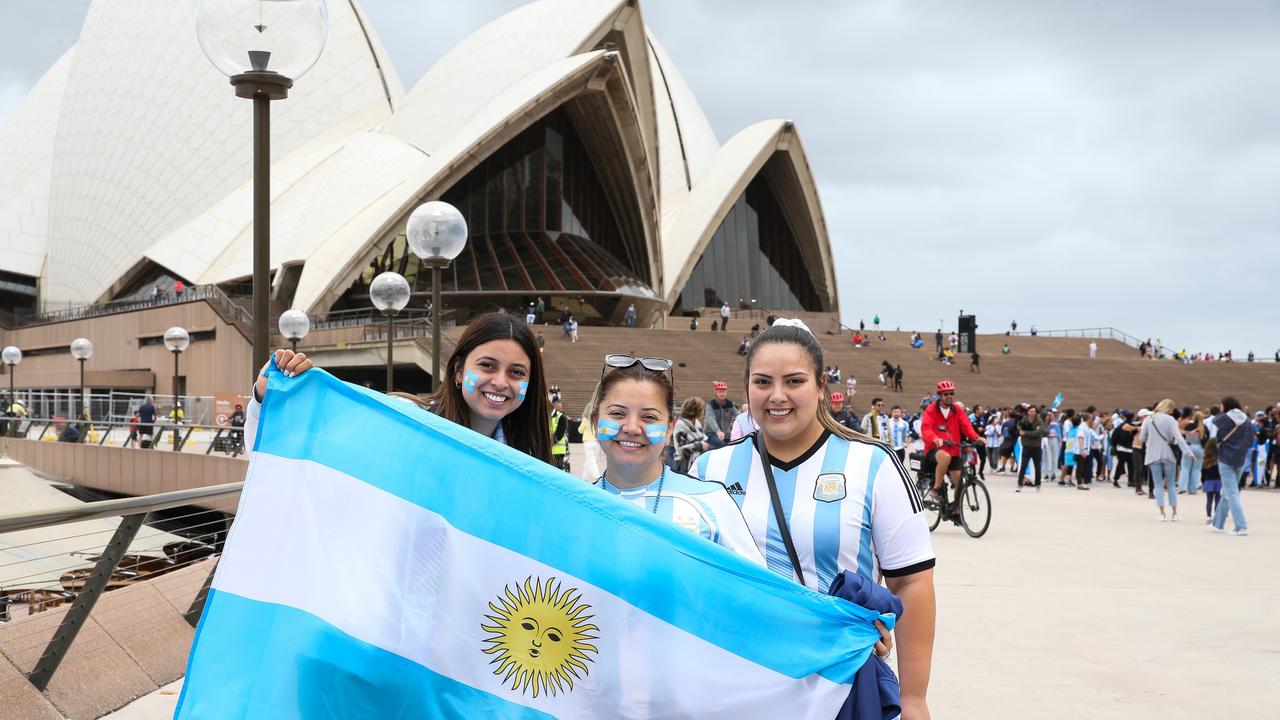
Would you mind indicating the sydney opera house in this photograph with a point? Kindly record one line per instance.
(585, 168)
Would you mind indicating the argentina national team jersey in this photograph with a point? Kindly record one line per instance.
(700, 507)
(849, 504)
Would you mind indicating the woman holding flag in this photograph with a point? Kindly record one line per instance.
(819, 498)
(634, 421)
(494, 384)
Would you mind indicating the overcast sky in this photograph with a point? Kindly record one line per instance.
(1068, 164)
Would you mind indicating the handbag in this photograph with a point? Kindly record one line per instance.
(783, 529)
(1173, 446)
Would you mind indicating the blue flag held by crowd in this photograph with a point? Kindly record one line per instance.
(388, 563)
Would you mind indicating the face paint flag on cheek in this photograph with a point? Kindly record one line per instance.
(656, 432)
(469, 380)
(522, 389)
(607, 429)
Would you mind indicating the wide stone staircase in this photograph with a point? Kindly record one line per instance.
(1035, 369)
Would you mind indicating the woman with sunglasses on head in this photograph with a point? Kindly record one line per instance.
(494, 384)
(820, 498)
(633, 420)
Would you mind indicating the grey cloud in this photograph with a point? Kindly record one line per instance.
(1063, 162)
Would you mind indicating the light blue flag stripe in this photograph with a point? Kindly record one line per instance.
(317, 671)
(826, 516)
(531, 508)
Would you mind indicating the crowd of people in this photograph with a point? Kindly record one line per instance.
(1162, 452)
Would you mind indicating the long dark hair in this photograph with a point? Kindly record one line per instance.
(807, 342)
(528, 427)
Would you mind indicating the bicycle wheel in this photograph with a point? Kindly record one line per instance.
(975, 508)
(932, 508)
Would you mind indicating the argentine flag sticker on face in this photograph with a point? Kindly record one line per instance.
(657, 432)
(607, 429)
(522, 389)
(469, 380)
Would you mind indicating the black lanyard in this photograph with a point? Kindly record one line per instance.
(777, 505)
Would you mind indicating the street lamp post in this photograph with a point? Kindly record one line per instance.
(81, 350)
(437, 232)
(176, 340)
(389, 293)
(11, 356)
(294, 325)
(280, 41)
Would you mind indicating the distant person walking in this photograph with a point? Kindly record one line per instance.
(630, 318)
(724, 316)
(1159, 438)
(974, 367)
(146, 422)
(1093, 350)
(1191, 425)
(1032, 429)
(897, 379)
(875, 321)
(1234, 435)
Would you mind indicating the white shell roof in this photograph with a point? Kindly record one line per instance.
(26, 159)
(149, 134)
(157, 165)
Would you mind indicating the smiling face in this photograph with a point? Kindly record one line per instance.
(494, 379)
(783, 390)
(633, 405)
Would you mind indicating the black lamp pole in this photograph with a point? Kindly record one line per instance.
(175, 399)
(83, 400)
(262, 86)
(391, 324)
(436, 267)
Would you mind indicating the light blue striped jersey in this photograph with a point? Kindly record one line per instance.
(899, 433)
(704, 508)
(850, 505)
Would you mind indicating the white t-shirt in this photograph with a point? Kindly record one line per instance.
(850, 505)
(703, 508)
(743, 425)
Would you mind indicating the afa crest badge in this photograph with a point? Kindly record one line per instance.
(829, 487)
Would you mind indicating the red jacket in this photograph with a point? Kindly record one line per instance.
(951, 429)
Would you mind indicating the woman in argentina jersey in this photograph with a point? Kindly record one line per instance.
(634, 421)
(846, 499)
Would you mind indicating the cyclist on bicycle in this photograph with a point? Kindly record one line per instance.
(944, 425)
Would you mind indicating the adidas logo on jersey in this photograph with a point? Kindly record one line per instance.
(736, 489)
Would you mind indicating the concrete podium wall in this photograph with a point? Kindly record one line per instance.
(129, 471)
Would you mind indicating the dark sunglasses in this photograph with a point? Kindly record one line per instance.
(656, 364)
(652, 364)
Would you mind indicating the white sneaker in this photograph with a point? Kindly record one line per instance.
(1176, 517)
(1163, 518)
(1239, 533)
(1215, 529)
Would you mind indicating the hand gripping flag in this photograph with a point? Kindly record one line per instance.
(387, 563)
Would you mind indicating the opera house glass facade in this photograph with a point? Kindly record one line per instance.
(540, 225)
(752, 260)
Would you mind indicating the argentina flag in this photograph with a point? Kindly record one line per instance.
(386, 563)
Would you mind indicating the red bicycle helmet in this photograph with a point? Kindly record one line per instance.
(837, 397)
(946, 386)
(720, 385)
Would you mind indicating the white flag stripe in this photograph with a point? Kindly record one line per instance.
(336, 547)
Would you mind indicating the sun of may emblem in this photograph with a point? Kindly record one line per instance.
(540, 635)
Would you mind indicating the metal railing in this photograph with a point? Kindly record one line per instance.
(225, 439)
(191, 294)
(39, 582)
(1102, 333)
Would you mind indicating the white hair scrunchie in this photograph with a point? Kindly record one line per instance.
(793, 323)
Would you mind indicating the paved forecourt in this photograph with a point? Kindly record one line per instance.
(1081, 604)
